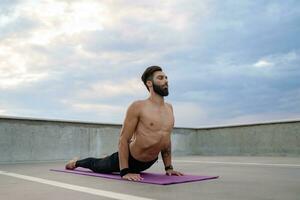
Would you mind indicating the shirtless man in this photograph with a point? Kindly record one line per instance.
(146, 131)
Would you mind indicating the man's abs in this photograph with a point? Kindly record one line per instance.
(144, 155)
(146, 147)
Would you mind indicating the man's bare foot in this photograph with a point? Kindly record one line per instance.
(71, 164)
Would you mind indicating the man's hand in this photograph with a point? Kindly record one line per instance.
(171, 172)
(133, 177)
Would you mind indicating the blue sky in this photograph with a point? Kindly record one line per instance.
(228, 62)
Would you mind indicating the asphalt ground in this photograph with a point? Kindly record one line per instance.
(241, 178)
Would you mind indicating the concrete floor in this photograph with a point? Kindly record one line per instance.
(241, 178)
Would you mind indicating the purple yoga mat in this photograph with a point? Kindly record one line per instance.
(152, 178)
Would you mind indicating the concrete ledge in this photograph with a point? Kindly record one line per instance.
(38, 140)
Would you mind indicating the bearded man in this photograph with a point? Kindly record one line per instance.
(145, 133)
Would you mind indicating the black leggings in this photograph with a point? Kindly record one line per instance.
(110, 164)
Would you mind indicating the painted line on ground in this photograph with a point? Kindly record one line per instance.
(103, 193)
(239, 163)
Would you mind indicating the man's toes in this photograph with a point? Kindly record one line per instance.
(71, 165)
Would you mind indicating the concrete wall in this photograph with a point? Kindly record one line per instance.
(41, 140)
(270, 139)
(31, 140)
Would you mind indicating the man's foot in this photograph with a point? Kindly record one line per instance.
(71, 164)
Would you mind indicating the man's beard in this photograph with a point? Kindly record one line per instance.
(160, 90)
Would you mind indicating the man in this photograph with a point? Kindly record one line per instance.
(146, 131)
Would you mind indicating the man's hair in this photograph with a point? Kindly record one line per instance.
(148, 74)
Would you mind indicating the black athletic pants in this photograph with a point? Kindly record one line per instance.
(110, 164)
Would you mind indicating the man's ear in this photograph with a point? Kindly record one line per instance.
(149, 83)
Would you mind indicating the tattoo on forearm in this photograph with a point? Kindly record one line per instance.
(166, 152)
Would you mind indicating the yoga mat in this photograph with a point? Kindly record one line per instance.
(152, 178)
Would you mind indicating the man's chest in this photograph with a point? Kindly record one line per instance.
(155, 120)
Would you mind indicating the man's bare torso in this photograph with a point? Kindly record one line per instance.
(153, 130)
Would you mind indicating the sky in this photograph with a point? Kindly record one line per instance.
(228, 62)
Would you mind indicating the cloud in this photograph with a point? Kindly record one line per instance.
(278, 59)
(224, 59)
(108, 89)
(15, 68)
(189, 114)
(22, 61)
(104, 113)
(98, 108)
(58, 18)
(83, 35)
(263, 63)
(2, 112)
(259, 118)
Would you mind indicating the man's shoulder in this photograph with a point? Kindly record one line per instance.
(169, 105)
(138, 104)
(135, 107)
(141, 103)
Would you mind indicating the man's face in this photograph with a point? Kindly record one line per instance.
(160, 83)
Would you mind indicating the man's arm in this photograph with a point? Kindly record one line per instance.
(166, 152)
(166, 155)
(128, 128)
